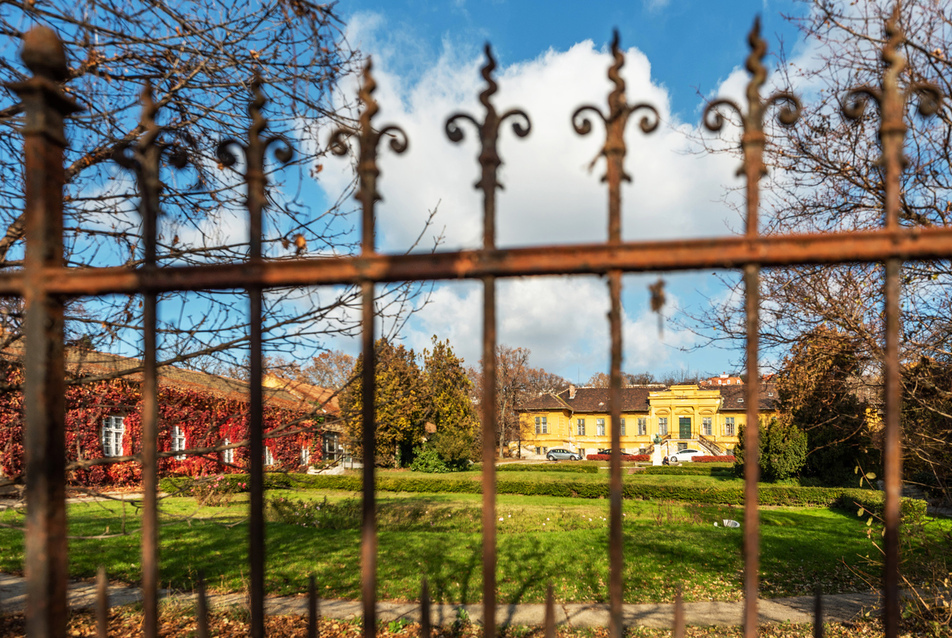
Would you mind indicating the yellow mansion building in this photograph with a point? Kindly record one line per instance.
(705, 418)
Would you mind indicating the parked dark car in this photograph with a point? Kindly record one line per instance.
(560, 454)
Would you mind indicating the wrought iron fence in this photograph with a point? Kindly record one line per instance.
(45, 284)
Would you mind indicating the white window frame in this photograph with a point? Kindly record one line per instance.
(642, 426)
(622, 427)
(178, 442)
(729, 428)
(707, 426)
(113, 432)
(268, 456)
(305, 454)
(599, 427)
(662, 425)
(228, 456)
(541, 425)
(580, 424)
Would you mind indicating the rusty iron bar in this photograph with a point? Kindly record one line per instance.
(752, 169)
(818, 613)
(102, 603)
(368, 139)
(313, 608)
(724, 253)
(201, 607)
(549, 622)
(680, 624)
(892, 133)
(256, 183)
(255, 178)
(614, 151)
(488, 183)
(425, 624)
(892, 102)
(45, 107)
(143, 158)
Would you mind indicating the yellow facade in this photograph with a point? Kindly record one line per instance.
(684, 416)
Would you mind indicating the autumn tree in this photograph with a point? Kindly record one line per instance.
(450, 407)
(926, 419)
(819, 391)
(400, 404)
(331, 369)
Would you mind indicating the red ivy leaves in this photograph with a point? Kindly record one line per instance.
(205, 418)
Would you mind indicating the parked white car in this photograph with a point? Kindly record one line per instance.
(684, 456)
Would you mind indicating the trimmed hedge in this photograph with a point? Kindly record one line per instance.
(713, 459)
(873, 501)
(785, 495)
(544, 467)
(691, 470)
(624, 457)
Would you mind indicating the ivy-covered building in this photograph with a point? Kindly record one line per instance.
(706, 418)
(197, 411)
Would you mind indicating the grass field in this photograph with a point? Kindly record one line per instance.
(540, 540)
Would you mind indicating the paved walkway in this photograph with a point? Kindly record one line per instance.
(798, 609)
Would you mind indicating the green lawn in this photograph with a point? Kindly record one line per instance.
(540, 539)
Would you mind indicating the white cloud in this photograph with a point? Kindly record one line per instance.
(550, 196)
(562, 320)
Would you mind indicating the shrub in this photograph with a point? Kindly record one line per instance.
(215, 491)
(783, 450)
(428, 460)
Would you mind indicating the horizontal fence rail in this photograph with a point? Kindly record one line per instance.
(44, 284)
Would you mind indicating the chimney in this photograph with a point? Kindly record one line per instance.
(571, 392)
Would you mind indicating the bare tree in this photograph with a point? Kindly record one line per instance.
(200, 58)
(516, 381)
(825, 176)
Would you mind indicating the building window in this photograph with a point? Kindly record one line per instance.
(538, 450)
(642, 426)
(227, 456)
(542, 426)
(599, 427)
(581, 452)
(707, 426)
(662, 425)
(178, 442)
(729, 426)
(305, 455)
(268, 457)
(113, 427)
(581, 427)
(622, 427)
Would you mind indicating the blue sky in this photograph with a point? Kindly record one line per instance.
(553, 58)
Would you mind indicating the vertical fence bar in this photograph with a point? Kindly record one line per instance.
(488, 183)
(313, 611)
(45, 106)
(614, 151)
(255, 179)
(614, 159)
(892, 133)
(201, 610)
(102, 603)
(149, 185)
(753, 169)
(367, 194)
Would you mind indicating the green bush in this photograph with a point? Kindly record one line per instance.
(706, 469)
(428, 460)
(783, 450)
